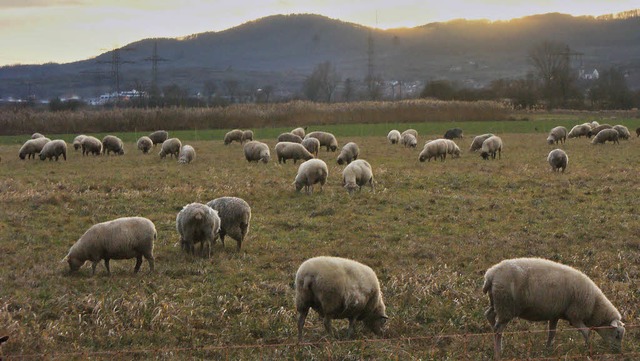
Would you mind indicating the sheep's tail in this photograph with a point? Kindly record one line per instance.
(488, 282)
(198, 216)
(307, 282)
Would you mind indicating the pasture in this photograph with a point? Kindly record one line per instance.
(430, 231)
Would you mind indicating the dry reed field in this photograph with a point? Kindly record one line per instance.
(429, 230)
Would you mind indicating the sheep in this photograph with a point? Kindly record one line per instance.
(558, 160)
(235, 218)
(579, 130)
(145, 144)
(638, 132)
(598, 129)
(326, 140)
(170, 146)
(247, 135)
(410, 131)
(593, 124)
(233, 135)
(289, 150)
(452, 148)
(54, 148)
(158, 137)
(350, 151)
(394, 136)
(255, 151)
(187, 154)
(299, 131)
(434, 149)
(31, 147)
(409, 140)
(453, 133)
(197, 223)
(557, 134)
(623, 132)
(490, 146)
(477, 142)
(338, 288)
(309, 173)
(312, 145)
(536, 289)
(111, 143)
(357, 174)
(289, 137)
(37, 135)
(77, 141)
(605, 135)
(91, 145)
(122, 238)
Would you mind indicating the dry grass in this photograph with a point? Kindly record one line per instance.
(430, 230)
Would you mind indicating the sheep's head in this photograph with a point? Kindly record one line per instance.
(298, 185)
(74, 263)
(351, 187)
(613, 334)
(376, 323)
(456, 153)
(340, 160)
(121, 151)
(265, 158)
(42, 156)
(484, 155)
(333, 148)
(21, 155)
(550, 140)
(423, 157)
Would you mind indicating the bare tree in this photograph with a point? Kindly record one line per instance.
(552, 63)
(321, 84)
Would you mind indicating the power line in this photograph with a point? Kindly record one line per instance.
(154, 59)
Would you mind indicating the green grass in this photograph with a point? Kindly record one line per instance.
(429, 231)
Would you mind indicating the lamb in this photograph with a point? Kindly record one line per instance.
(247, 135)
(255, 151)
(477, 142)
(579, 130)
(350, 151)
(289, 150)
(299, 131)
(233, 135)
(339, 288)
(537, 289)
(37, 135)
(289, 137)
(187, 154)
(434, 149)
(623, 132)
(394, 136)
(235, 218)
(490, 146)
(197, 222)
(31, 147)
(357, 174)
(312, 145)
(77, 141)
(91, 145)
(557, 134)
(145, 144)
(409, 140)
(558, 160)
(122, 238)
(111, 143)
(453, 133)
(605, 135)
(326, 140)
(170, 146)
(158, 137)
(309, 173)
(598, 129)
(54, 148)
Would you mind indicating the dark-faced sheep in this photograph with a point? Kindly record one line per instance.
(394, 136)
(350, 152)
(235, 218)
(453, 133)
(158, 137)
(77, 142)
(490, 147)
(598, 129)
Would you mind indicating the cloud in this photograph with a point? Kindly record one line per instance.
(17, 4)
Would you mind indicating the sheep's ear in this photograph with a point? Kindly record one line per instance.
(617, 323)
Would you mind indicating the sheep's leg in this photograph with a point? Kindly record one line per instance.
(497, 340)
(584, 330)
(301, 319)
(327, 325)
(352, 327)
(138, 263)
(552, 331)
(222, 234)
(150, 259)
(106, 265)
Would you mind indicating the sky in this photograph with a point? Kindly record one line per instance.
(62, 31)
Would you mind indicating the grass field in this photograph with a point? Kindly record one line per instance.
(430, 231)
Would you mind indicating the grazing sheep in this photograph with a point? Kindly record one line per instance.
(593, 124)
(159, 136)
(145, 144)
(309, 173)
(91, 145)
(289, 150)
(54, 148)
(453, 133)
(256, 151)
(289, 137)
(299, 132)
(247, 135)
(187, 154)
(558, 160)
(77, 141)
(598, 129)
(638, 132)
(122, 238)
(557, 134)
(623, 132)
(409, 140)
(235, 218)
(394, 136)
(339, 288)
(579, 131)
(195, 223)
(490, 146)
(477, 142)
(37, 135)
(31, 147)
(350, 151)
(434, 149)
(605, 135)
(357, 174)
(111, 143)
(536, 289)
(170, 146)
(233, 135)
(326, 140)
(452, 148)
(410, 131)
(312, 145)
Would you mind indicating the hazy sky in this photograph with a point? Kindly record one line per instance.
(40, 31)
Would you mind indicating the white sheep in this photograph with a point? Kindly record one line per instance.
(159, 136)
(339, 288)
(309, 173)
(537, 289)
(326, 140)
(77, 141)
(247, 135)
(410, 131)
(255, 151)
(289, 137)
(558, 160)
(187, 154)
(31, 147)
(145, 144)
(606, 135)
(299, 132)
(235, 218)
(557, 134)
(357, 174)
(312, 145)
(290, 150)
(37, 135)
(233, 135)
(579, 131)
(490, 147)
(197, 223)
(111, 143)
(623, 132)
(409, 140)
(122, 238)
(54, 149)
(394, 136)
(477, 142)
(91, 145)
(452, 148)
(437, 148)
(598, 129)
(170, 146)
(350, 152)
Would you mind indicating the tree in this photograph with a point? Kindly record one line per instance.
(610, 91)
(232, 86)
(321, 84)
(552, 63)
(347, 93)
(209, 89)
(439, 89)
(174, 95)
